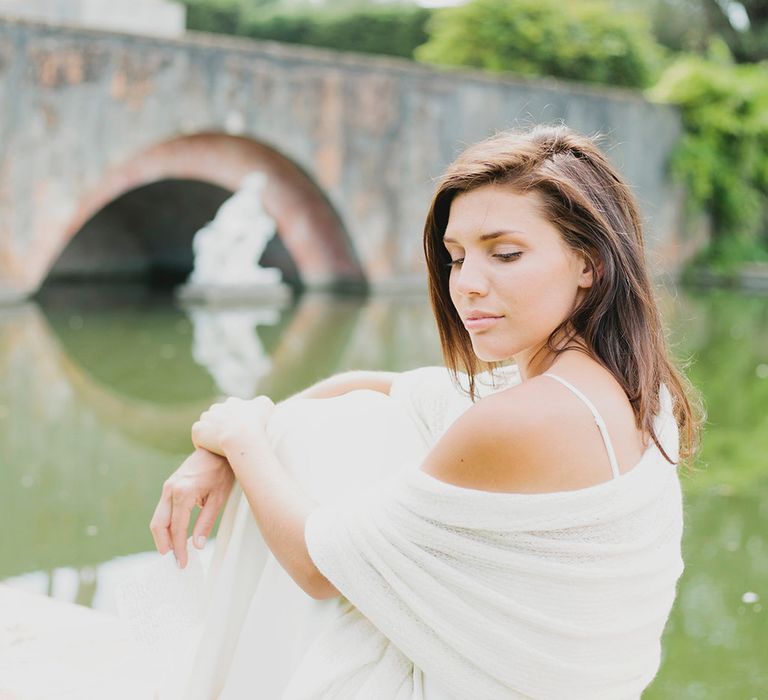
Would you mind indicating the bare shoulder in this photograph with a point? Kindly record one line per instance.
(529, 438)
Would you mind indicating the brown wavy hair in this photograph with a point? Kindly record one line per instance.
(597, 215)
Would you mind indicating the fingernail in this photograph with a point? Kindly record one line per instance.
(200, 541)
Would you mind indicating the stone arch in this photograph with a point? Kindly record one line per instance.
(308, 226)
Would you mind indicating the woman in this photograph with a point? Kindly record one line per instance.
(528, 553)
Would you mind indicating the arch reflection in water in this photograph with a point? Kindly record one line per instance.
(96, 400)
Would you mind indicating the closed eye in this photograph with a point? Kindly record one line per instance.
(506, 257)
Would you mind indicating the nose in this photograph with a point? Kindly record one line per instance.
(469, 279)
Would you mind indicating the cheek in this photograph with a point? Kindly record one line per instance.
(451, 287)
(544, 293)
(522, 288)
(557, 303)
(558, 299)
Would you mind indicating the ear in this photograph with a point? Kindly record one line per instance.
(588, 271)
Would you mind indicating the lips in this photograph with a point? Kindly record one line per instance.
(480, 320)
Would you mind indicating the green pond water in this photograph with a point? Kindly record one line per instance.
(99, 386)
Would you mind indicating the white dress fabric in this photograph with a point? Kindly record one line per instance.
(447, 593)
(256, 622)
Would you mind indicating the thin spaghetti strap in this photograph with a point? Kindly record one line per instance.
(598, 419)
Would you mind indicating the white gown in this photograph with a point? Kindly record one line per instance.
(258, 622)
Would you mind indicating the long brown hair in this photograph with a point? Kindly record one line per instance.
(597, 216)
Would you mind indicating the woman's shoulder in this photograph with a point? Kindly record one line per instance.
(532, 437)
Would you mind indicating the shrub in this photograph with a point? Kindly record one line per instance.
(584, 40)
(378, 29)
(219, 17)
(723, 156)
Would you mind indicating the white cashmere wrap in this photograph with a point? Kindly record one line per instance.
(547, 596)
(497, 595)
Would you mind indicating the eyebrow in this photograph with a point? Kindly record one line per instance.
(488, 236)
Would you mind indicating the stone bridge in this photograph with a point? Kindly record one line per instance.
(147, 136)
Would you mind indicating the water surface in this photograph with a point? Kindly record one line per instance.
(99, 386)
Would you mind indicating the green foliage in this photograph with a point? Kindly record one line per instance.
(680, 25)
(747, 38)
(344, 25)
(377, 30)
(691, 25)
(218, 16)
(723, 156)
(576, 40)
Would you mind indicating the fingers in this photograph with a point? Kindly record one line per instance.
(205, 521)
(197, 431)
(228, 418)
(203, 479)
(204, 435)
(170, 521)
(264, 406)
(161, 520)
(182, 503)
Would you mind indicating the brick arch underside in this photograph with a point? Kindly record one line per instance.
(307, 224)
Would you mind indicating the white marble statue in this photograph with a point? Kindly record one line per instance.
(227, 250)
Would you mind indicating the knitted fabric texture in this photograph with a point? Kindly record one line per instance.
(499, 595)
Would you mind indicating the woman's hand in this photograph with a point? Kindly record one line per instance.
(205, 480)
(230, 419)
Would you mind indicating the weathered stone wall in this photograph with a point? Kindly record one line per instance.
(352, 143)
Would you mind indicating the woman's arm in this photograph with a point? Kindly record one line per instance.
(349, 381)
(235, 429)
(204, 479)
(502, 443)
(279, 505)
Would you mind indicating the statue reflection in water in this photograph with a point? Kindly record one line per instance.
(227, 345)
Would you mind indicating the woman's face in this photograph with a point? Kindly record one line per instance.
(513, 279)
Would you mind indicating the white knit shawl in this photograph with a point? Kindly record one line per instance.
(499, 595)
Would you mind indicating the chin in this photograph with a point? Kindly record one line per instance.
(488, 353)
